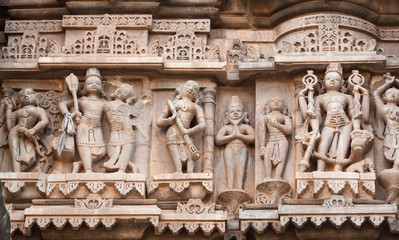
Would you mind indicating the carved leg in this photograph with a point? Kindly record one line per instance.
(125, 156)
(190, 165)
(343, 145)
(267, 161)
(229, 161)
(85, 158)
(77, 166)
(174, 151)
(240, 168)
(13, 140)
(326, 138)
(113, 154)
(283, 150)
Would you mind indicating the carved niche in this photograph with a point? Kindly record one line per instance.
(29, 46)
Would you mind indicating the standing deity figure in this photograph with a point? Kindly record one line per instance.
(179, 115)
(120, 113)
(23, 125)
(341, 118)
(236, 134)
(6, 94)
(278, 122)
(388, 111)
(88, 114)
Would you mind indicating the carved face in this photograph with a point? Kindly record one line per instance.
(27, 97)
(122, 93)
(333, 81)
(392, 95)
(276, 104)
(190, 90)
(235, 112)
(93, 84)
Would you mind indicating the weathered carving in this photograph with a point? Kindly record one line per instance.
(168, 25)
(328, 38)
(336, 201)
(179, 115)
(121, 143)
(345, 116)
(24, 124)
(29, 46)
(236, 134)
(93, 201)
(108, 40)
(195, 206)
(45, 26)
(131, 21)
(89, 136)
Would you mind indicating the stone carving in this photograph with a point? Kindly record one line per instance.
(168, 25)
(107, 40)
(131, 21)
(6, 94)
(195, 206)
(328, 38)
(343, 117)
(93, 201)
(179, 115)
(24, 125)
(387, 99)
(89, 137)
(278, 122)
(186, 46)
(120, 113)
(236, 134)
(336, 201)
(45, 26)
(29, 46)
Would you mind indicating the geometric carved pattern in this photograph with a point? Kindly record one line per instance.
(128, 21)
(29, 46)
(20, 26)
(195, 206)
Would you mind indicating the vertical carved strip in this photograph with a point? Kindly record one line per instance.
(209, 144)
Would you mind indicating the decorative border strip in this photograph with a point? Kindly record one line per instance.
(131, 21)
(45, 26)
(167, 25)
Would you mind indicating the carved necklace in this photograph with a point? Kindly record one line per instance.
(26, 111)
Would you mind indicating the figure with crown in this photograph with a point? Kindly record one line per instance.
(235, 134)
(87, 114)
(178, 115)
(337, 119)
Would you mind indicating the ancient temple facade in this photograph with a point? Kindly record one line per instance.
(207, 119)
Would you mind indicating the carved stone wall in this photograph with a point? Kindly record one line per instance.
(200, 119)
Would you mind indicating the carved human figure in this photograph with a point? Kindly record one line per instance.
(335, 111)
(178, 115)
(89, 135)
(23, 125)
(6, 94)
(387, 99)
(120, 113)
(278, 122)
(236, 134)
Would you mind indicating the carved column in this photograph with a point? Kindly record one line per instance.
(209, 143)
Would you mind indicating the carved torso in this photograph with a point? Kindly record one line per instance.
(27, 116)
(186, 111)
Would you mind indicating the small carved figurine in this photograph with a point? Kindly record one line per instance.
(30, 119)
(6, 96)
(236, 134)
(339, 114)
(121, 142)
(178, 115)
(278, 122)
(89, 135)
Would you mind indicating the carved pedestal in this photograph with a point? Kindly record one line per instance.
(111, 185)
(180, 187)
(233, 199)
(23, 185)
(271, 191)
(320, 185)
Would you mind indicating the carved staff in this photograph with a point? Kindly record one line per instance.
(356, 80)
(193, 150)
(310, 81)
(73, 84)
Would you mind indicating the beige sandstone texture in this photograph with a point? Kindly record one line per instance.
(206, 119)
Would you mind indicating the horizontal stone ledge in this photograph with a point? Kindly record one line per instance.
(100, 61)
(200, 64)
(365, 209)
(329, 57)
(93, 21)
(268, 214)
(171, 215)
